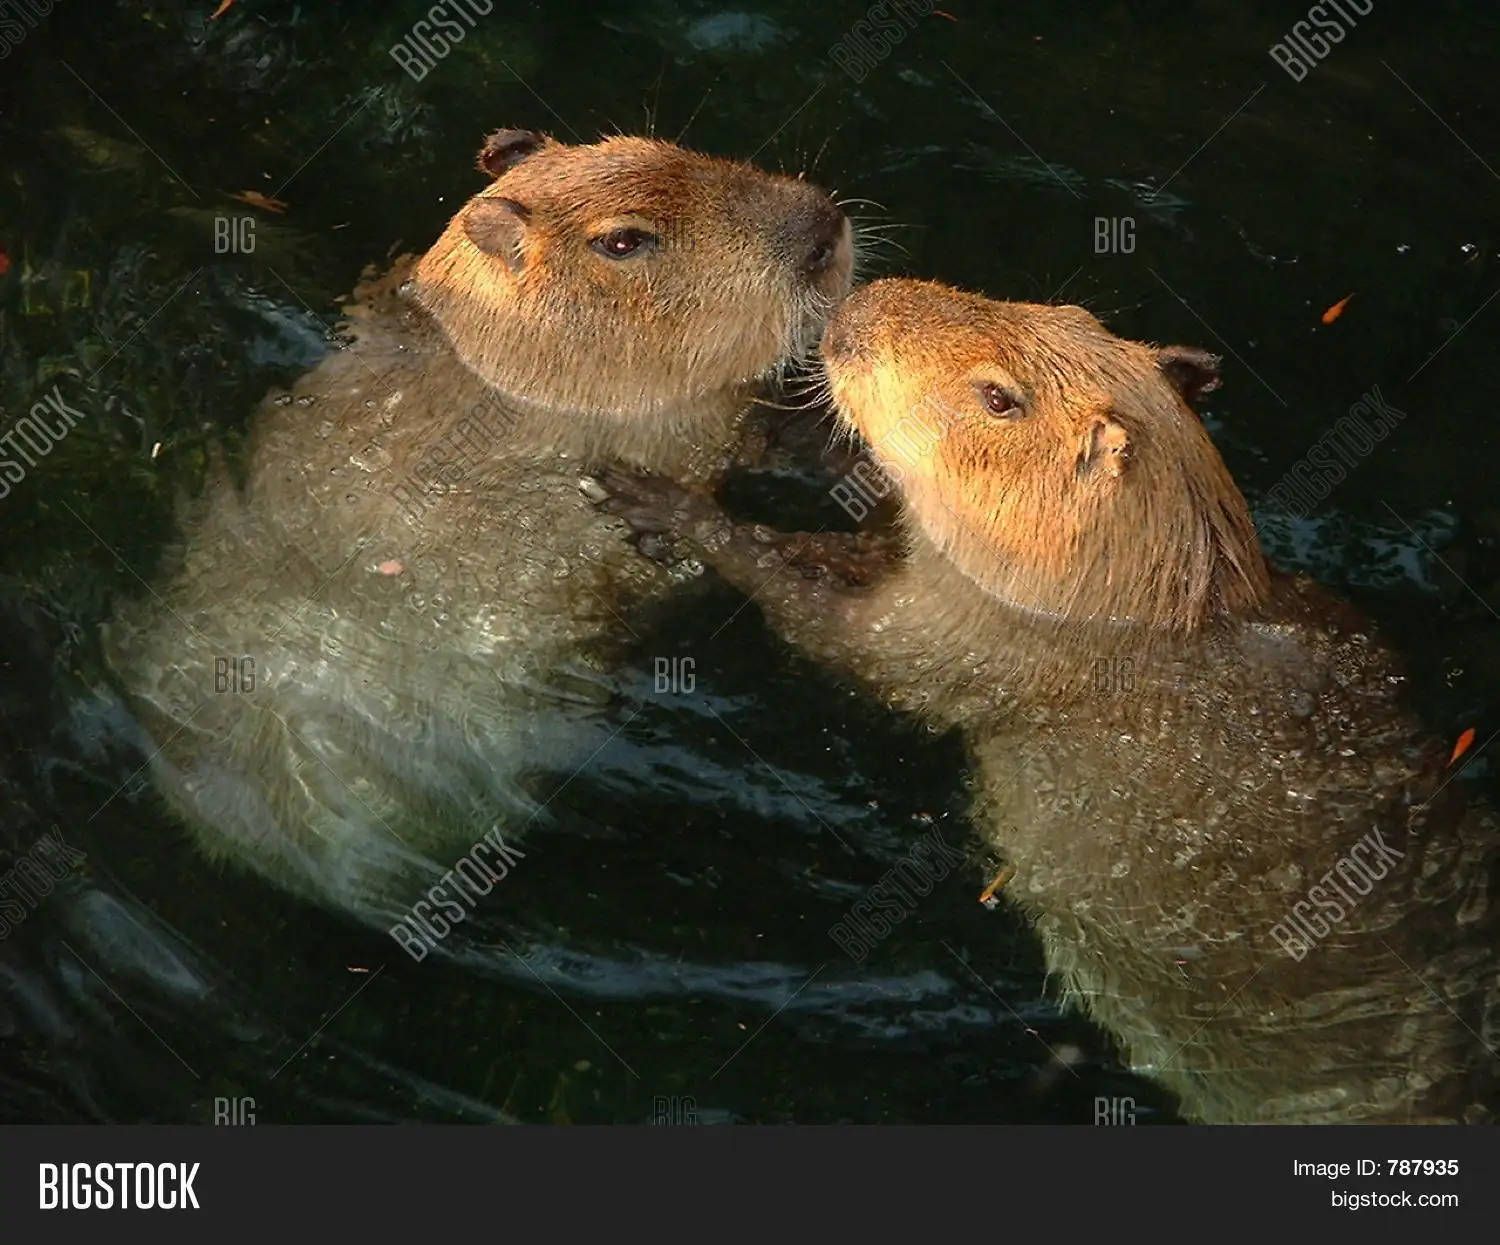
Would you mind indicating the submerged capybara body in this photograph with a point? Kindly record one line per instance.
(1243, 856)
(363, 650)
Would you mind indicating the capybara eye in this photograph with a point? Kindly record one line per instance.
(1000, 399)
(622, 243)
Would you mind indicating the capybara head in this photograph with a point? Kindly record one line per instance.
(1057, 465)
(631, 277)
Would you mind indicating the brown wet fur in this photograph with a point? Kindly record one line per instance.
(434, 613)
(1100, 497)
(1172, 747)
(514, 270)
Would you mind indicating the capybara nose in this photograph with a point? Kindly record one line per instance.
(838, 339)
(847, 332)
(820, 234)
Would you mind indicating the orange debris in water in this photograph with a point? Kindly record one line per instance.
(1465, 742)
(1001, 879)
(255, 199)
(1334, 312)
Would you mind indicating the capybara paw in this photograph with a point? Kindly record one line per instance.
(651, 506)
(844, 559)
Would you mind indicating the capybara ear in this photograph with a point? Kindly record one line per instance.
(504, 149)
(498, 227)
(1193, 372)
(1106, 448)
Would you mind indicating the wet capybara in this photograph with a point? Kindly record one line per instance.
(361, 655)
(1242, 852)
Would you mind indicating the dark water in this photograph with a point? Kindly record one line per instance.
(682, 962)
